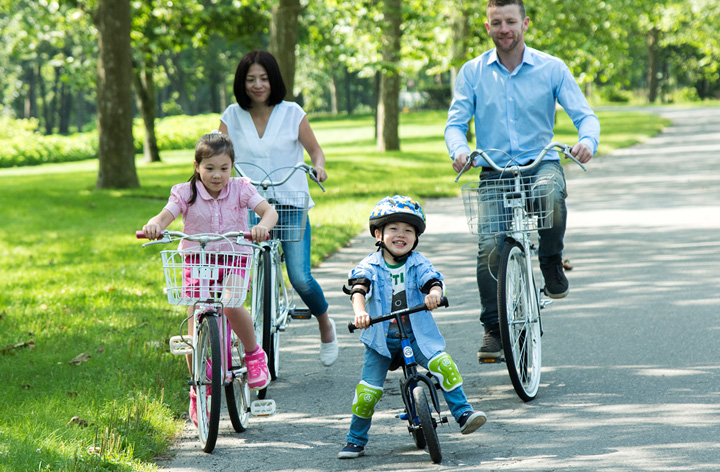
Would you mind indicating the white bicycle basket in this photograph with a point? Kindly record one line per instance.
(292, 208)
(193, 275)
(488, 204)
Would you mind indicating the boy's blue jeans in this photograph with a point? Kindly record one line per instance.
(297, 261)
(550, 240)
(374, 372)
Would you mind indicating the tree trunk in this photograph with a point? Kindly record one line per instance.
(653, 64)
(114, 96)
(283, 39)
(388, 121)
(460, 31)
(31, 97)
(145, 98)
(349, 106)
(333, 93)
(64, 111)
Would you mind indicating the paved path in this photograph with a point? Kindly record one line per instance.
(631, 377)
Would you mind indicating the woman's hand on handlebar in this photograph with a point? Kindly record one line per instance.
(581, 152)
(320, 173)
(362, 320)
(460, 161)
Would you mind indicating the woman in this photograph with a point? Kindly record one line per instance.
(272, 133)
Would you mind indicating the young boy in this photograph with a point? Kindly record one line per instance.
(393, 278)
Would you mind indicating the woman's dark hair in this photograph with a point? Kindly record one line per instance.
(209, 145)
(268, 62)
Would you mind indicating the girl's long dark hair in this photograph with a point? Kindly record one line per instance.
(209, 145)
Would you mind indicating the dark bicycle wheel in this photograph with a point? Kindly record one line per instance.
(237, 393)
(259, 295)
(269, 328)
(519, 317)
(422, 409)
(207, 375)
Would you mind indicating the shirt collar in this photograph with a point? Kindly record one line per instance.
(527, 57)
(203, 193)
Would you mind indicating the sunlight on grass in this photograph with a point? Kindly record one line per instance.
(75, 281)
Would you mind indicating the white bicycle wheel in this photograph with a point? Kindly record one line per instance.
(519, 318)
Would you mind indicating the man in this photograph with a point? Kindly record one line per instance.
(512, 91)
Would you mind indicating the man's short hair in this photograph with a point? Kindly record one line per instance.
(504, 3)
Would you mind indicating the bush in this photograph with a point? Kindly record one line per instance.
(614, 94)
(23, 145)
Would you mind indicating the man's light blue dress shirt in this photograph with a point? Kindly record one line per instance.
(515, 112)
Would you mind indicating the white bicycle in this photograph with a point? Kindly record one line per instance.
(515, 206)
(272, 302)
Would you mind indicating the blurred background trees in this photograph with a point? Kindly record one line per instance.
(341, 56)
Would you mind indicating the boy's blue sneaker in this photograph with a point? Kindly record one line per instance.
(351, 451)
(471, 420)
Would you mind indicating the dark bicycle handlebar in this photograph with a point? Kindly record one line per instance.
(413, 309)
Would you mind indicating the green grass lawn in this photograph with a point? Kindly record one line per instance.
(75, 282)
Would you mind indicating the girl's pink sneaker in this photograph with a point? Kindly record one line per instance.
(192, 410)
(258, 373)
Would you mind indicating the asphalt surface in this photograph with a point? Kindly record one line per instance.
(631, 358)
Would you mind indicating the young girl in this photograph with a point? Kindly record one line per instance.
(273, 134)
(213, 202)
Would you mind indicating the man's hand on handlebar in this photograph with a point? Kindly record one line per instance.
(460, 161)
(581, 152)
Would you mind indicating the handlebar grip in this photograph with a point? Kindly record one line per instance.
(351, 327)
(444, 302)
(140, 235)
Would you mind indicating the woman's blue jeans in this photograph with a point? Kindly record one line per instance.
(297, 261)
(550, 240)
(374, 372)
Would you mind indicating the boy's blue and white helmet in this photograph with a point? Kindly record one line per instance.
(397, 208)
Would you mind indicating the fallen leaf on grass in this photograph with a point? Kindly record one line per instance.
(94, 450)
(72, 394)
(79, 359)
(78, 421)
(11, 347)
(100, 349)
(26, 387)
(109, 288)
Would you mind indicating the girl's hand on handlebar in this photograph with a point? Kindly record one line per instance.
(259, 233)
(459, 162)
(152, 231)
(362, 320)
(581, 152)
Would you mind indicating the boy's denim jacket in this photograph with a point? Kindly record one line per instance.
(419, 271)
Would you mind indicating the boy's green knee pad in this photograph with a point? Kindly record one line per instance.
(444, 369)
(366, 397)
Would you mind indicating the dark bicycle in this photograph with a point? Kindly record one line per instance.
(415, 387)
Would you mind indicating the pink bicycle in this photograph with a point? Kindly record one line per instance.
(211, 275)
